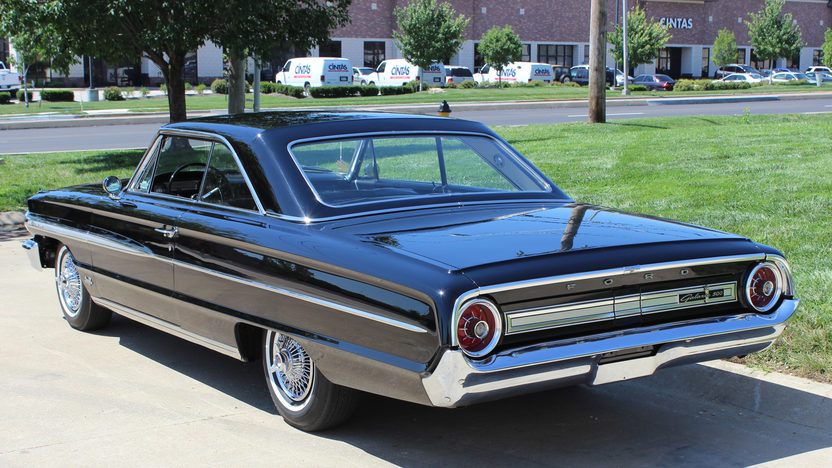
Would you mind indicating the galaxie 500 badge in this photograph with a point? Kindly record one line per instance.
(702, 296)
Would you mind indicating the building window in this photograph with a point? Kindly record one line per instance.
(4, 51)
(817, 57)
(793, 62)
(527, 53)
(759, 63)
(373, 53)
(330, 49)
(741, 56)
(555, 54)
(478, 60)
(191, 69)
(663, 63)
(706, 61)
(586, 54)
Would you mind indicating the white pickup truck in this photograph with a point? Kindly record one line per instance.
(9, 80)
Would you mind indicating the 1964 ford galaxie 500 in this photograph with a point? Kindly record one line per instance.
(420, 258)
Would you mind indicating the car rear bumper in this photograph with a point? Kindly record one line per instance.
(33, 252)
(600, 359)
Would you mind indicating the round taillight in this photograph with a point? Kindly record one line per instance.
(478, 328)
(763, 286)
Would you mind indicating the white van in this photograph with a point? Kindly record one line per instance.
(315, 71)
(517, 72)
(397, 72)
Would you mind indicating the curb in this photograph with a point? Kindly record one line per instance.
(422, 109)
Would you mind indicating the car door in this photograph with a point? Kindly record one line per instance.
(217, 249)
(134, 269)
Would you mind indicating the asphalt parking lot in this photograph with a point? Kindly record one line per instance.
(132, 396)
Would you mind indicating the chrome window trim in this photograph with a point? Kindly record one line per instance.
(151, 150)
(45, 227)
(201, 136)
(533, 172)
(359, 214)
(610, 273)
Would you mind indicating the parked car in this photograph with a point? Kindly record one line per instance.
(746, 77)
(721, 72)
(580, 74)
(783, 77)
(360, 74)
(420, 258)
(9, 81)
(813, 76)
(399, 72)
(309, 72)
(516, 72)
(561, 72)
(655, 82)
(456, 74)
(819, 68)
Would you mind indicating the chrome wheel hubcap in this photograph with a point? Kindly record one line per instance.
(290, 370)
(69, 285)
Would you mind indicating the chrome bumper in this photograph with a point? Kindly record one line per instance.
(33, 252)
(601, 359)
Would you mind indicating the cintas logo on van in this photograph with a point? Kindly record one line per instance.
(543, 72)
(303, 69)
(400, 71)
(433, 69)
(338, 67)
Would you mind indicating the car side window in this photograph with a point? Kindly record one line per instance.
(287, 66)
(224, 183)
(180, 166)
(381, 66)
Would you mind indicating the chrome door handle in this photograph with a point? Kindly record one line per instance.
(168, 233)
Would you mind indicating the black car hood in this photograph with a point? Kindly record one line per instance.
(466, 237)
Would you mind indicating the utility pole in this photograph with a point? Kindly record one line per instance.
(597, 62)
(625, 46)
(256, 85)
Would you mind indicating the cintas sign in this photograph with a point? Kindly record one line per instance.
(677, 23)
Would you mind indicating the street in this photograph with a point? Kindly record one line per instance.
(139, 135)
(132, 396)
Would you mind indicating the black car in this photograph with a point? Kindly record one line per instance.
(420, 258)
(580, 74)
(655, 82)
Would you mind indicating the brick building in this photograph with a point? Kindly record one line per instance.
(557, 31)
(552, 31)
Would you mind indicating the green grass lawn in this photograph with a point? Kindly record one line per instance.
(205, 102)
(765, 177)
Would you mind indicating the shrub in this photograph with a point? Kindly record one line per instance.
(129, 91)
(572, 84)
(450, 85)
(293, 91)
(267, 87)
(536, 83)
(635, 87)
(113, 93)
(722, 85)
(685, 85)
(368, 90)
(57, 95)
(56, 84)
(200, 88)
(219, 86)
(188, 86)
(333, 91)
(164, 88)
(144, 91)
(21, 97)
(414, 86)
(5, 98)
(468, 84)
(394, 90)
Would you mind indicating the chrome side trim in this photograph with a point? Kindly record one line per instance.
(458, 380)
(542, 318)
(611, 273)
(168, 327)
(303, 297)
(39, 226)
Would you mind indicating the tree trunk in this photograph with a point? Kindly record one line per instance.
(236, 82)
(597, 62)
(175, 81)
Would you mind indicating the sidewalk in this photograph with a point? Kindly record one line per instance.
(124, 116)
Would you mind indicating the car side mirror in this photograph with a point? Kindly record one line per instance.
(112, 185)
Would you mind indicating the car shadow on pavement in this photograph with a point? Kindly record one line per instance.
(689, 415)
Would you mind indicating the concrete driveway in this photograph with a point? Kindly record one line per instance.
(132, 396)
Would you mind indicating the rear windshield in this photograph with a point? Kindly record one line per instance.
(375, 168)
(461, 72)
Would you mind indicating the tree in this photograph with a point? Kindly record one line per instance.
(34, 39)
(725, 48)
(644, 39)
(499, 47)
(254, 28)
(428, 32)
(773, 34)
(827, 47)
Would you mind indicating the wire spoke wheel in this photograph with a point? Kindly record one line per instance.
(290, 370)
(68, 280)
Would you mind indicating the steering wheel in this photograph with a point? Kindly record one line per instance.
(221, 180)
(179, 169)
